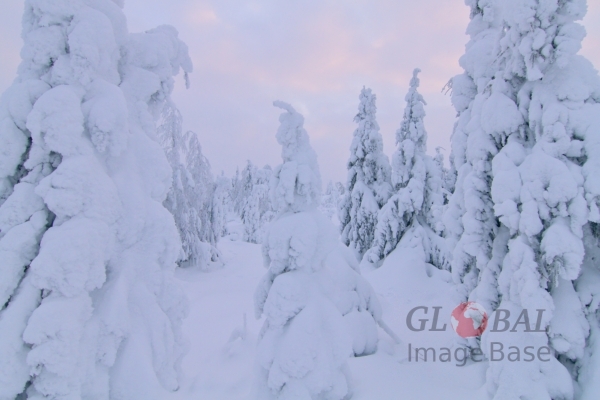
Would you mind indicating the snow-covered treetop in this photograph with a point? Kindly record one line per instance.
(292, 136)
(296, 184)
(161, 52)
(367, 162)
(411, 138)
(412, 125)
(367, 109)
(479, 60)
(540, 34)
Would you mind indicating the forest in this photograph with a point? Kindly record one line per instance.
(130, 269)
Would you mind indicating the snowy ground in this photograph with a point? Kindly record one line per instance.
(219, 364)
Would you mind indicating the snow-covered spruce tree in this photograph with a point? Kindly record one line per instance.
(447, 182)
(368, 185)
(248, 203)
(469, 221)
(242, 186)
(340, 188)
(527, 190)
(199, 170)
(220, 206)
(190, 199)
(318, 309)
(329, 202)
(234, 191)
(417, 181)
(253, 203)
(261, 190)
(88, 304)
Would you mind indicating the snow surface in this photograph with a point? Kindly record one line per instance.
(223, 332)
(90, 306)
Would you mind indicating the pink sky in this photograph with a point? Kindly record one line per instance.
(315, 54)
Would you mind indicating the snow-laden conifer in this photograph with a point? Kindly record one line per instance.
(525, 149)
(246, 202)
(261, 191)
(88, 304)
(234, 191)
(469, 219)
(190, 199)
(253, 202)
(318, 309)
(329, 202)
(417, 181)
(242, 186)
(221, 204)
(368, 184)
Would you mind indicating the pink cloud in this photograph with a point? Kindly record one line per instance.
(316, 54)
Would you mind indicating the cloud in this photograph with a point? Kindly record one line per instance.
(202, 16)
(10, 41)
(315, 54)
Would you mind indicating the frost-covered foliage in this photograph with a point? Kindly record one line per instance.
(469, 221)
(235, 191)
(418, 185)
(241, 186)
(448, 178)
(527, 190)
(587, 287)
(257, 211)
(330, 200)
(221, 204)
(407, 163)
(368, 186)
(249, 204)
(190, 199)
(319, 310)
(250, 196)
(88, 304)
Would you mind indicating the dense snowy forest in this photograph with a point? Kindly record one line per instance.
(130, 269)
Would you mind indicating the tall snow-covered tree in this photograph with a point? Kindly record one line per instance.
(368, 185)
(436, 192)
(242, 186)
(89, 307)
(200, 180)
(417, 184)
(252, 201)
(234, 190)
(525, 149)
(447, 179)
(190, 199)
(469, 220)
(220, 205)
(329, 202)
(318, 309)
(261, 190)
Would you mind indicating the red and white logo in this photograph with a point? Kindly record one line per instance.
(469, 319)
